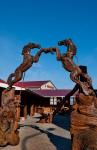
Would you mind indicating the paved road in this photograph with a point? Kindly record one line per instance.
(36, 136)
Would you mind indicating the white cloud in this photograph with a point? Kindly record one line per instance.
(37, 65)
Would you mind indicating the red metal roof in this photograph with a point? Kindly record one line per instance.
(31, 84)
(49, 93)
(2, 81)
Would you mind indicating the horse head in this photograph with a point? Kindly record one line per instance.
(69, 44)
(27, 48)
(66, 42)
(32, 45)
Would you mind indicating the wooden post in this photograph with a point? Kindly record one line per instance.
(25, 111)
(32, 111)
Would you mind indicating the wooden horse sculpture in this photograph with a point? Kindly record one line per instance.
(70, 66)
(10, 102)
(28, 60)
(84, 116)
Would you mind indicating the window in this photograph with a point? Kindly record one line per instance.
(71, 100)
(53, 101)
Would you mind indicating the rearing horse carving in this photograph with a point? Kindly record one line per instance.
(75, 71)
(28, 60)
(70, 66)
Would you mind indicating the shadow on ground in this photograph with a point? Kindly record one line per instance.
(62, 121)
(59, 142)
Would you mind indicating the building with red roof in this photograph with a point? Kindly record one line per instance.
(3, 83)
(37, 95)
(52, 93)
(36, 85)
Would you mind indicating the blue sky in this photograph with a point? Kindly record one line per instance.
(46, 22)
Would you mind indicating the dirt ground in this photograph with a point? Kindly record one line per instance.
(47, 136)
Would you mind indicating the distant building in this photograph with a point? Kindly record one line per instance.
(37, 96)
(36, 85)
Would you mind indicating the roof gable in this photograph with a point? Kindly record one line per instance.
(31, 84)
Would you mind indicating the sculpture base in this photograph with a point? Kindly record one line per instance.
(11, 138)
(9, 117)
(84, 123)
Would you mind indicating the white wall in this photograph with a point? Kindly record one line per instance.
(48, 85)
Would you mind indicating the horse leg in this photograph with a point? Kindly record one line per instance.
(74, 76)
(9, 80)
(18, 76)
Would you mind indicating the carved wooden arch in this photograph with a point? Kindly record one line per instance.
(10, 102)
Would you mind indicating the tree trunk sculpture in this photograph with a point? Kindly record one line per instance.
(28, 60)
(9, 117)
(10, 103)
(84, 116)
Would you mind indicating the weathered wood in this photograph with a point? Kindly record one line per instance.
(84, 116)
(28, 60)
(84, 123)
(9, 117)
